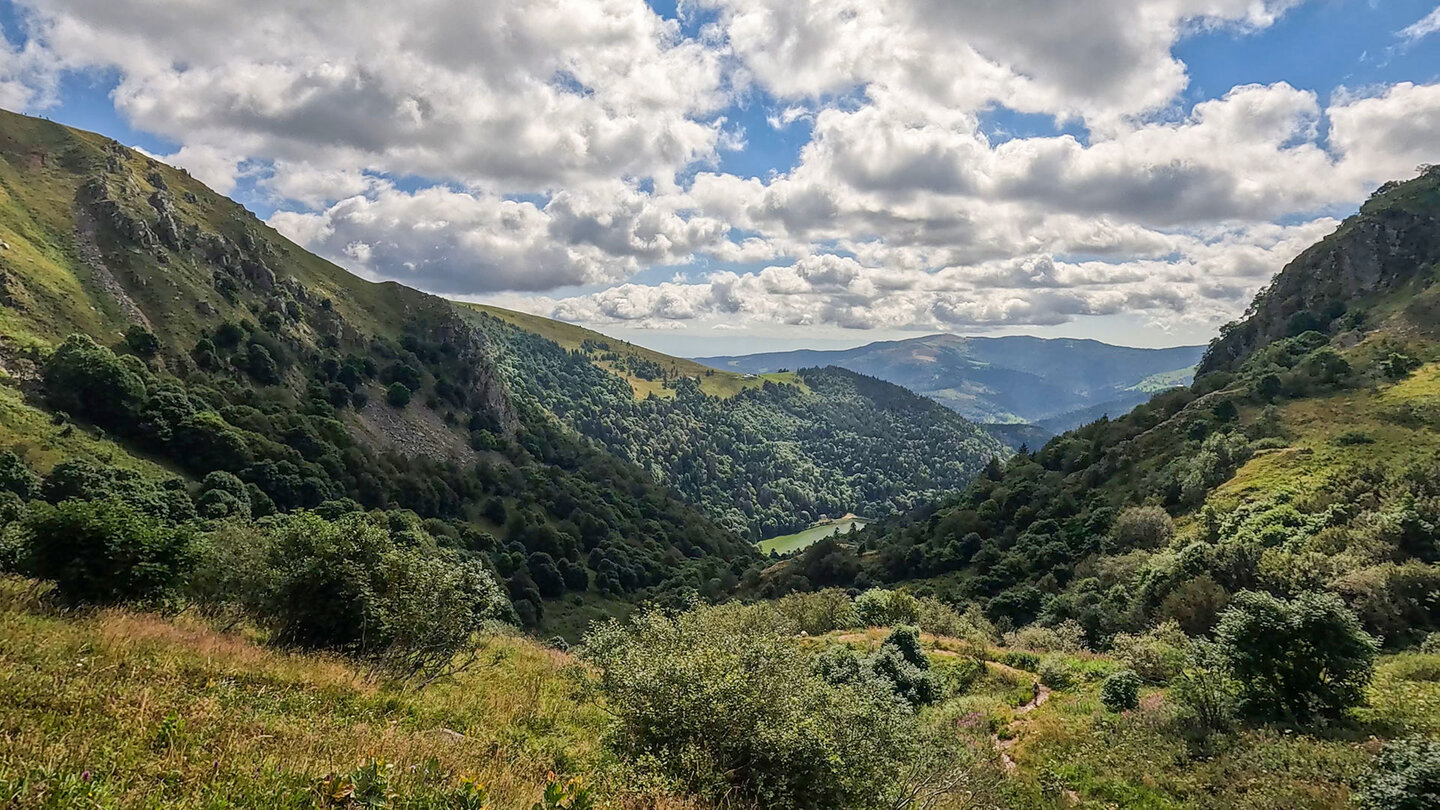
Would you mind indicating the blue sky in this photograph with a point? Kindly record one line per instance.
(719, 176)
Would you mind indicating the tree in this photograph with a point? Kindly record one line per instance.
(261, 365)
(141, 342)
(86, 379)
(740, 714)
(1295, 659)
(347, 585)
(397, 395)
(105, 551)
(16, 477)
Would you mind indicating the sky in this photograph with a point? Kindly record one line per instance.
(725, 176)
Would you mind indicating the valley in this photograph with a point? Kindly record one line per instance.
(272, 535)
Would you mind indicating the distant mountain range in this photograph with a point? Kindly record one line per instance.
(1051, 384)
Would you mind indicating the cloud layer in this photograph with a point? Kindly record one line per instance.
(569, 145)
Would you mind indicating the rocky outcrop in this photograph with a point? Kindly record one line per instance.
(1393, 241)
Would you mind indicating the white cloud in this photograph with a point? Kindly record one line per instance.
(475, 148)
(1421, 28)
(528, 96)
(456, 242)
(1091, 57)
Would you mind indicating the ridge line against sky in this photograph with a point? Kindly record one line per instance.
(726, 176)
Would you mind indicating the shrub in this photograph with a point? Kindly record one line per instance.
(1143, 527)
(16, 477)
(1156, 655)
(105, 551)
(1121, 691)
(346, 585)
(1057, 672)
(397, 395)
(1020, 659)
(1204, 694)
(1295, 659)
(88, 380)
(743, 717)
(818, 612)
(902, 664)
(941, 619)
(1406, 776)
(878, 607)
(1195, 605)
(141, 342)
(1068, 636)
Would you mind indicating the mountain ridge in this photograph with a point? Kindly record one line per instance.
(1010, 379)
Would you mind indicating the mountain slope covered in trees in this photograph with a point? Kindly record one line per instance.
(1305, 457)
(151, 328)
(1054, 383)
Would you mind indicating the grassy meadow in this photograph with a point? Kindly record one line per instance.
(119, 709)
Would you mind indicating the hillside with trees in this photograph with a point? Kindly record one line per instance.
(151, 328)
(1304, 458)
(267, 532)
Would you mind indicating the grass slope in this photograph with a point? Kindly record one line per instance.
(118, 709)
(121, 709)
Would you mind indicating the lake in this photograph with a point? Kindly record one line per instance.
(794, 542)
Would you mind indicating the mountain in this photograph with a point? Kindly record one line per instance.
(149, 326)
(1304, 457)
(1053, 383)
(764, 454)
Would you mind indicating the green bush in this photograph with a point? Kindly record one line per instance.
(818, 612)
(1020, 659)
(397, 395)
(1068, 636)
(1121, 691)
(17, 478)
(1295, 659)
(1156, 655)
(1143, 527)
(902, 665)
(1204, 695)
(744, 717)
(878, 607)
(105, 551)
(346, 585)
(1406, 776)
(88, 380)
(1057, 672)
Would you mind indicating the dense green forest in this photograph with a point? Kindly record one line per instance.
(770, 459)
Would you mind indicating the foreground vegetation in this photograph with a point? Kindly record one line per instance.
(791, 704)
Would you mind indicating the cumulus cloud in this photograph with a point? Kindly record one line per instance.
(460, 242)
(526, 95)
(1093, 57)
(474, 149)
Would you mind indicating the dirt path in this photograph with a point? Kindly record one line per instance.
(1042, 694)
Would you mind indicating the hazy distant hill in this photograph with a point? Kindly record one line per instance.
(1054, 383)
